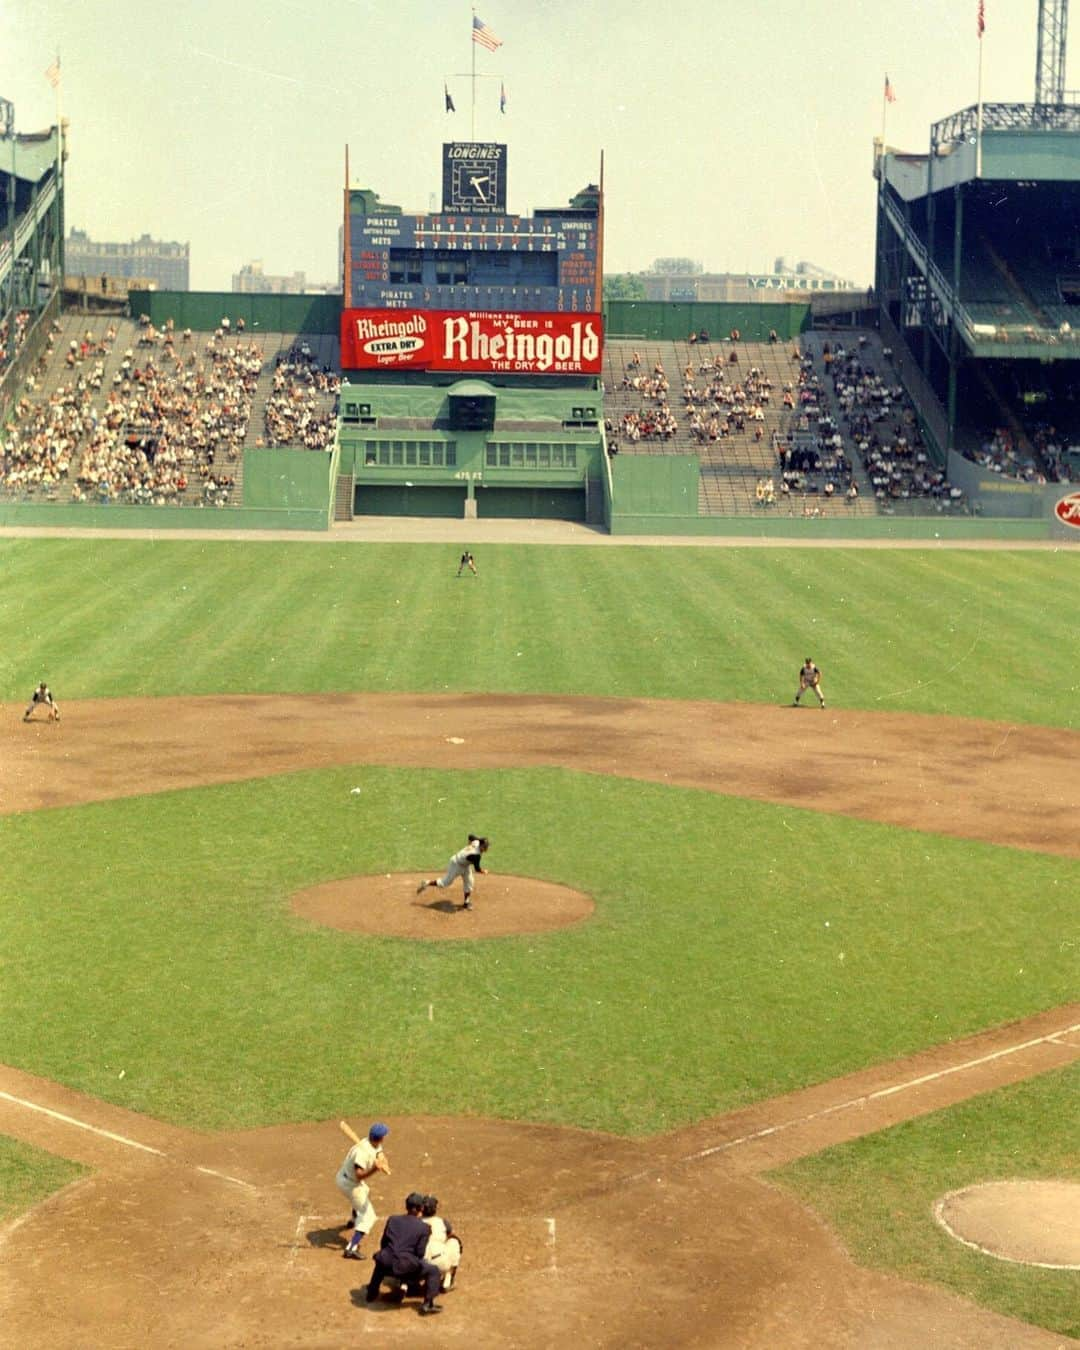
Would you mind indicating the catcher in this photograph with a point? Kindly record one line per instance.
(443, 1250)
(362, 1161)
(43, 695)
(809, 678)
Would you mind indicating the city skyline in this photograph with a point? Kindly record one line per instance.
(228, 128)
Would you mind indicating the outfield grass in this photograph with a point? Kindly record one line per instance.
(966, 633)
(715, 972)
(28, 1175)
(879, 1192)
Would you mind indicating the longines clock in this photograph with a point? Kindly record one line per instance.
(474, 178)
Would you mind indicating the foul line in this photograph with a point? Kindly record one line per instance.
(767, 1131)
(116, 1138)
(225, 1177)
(81, 1124)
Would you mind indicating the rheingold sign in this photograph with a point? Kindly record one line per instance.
(483, 341)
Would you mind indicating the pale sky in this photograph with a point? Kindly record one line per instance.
(733, 131)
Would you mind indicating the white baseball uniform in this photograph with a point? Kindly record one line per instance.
(361, 1155)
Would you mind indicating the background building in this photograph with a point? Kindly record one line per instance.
(167, 264)
(252, 280)
(783, 284)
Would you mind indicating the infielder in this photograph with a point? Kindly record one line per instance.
(467, 560)
(809, 678)
(43, 695)
(362, 1161)
(463, 864)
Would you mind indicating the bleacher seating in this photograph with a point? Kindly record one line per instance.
(118, 411)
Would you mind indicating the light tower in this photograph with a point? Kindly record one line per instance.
(1050, 52)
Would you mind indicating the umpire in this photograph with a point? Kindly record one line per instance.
(401, 1253)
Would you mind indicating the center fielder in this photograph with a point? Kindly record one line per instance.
(809, 678)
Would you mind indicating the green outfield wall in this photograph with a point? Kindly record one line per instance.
(202, 311)
(656, 487)
(290, 480)
(82, 516)
(832, 529)
(677, 319)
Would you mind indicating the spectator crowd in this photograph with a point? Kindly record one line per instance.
(170, 423)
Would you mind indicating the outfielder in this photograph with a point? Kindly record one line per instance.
(43, 695)
(467, 560)
(463, 864)
(362, 1161)
(809, 678)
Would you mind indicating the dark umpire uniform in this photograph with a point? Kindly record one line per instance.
(401, 1253)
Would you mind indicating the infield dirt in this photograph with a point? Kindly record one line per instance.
(182, 1239)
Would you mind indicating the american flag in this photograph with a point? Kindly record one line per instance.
(982, 17)
(482, 33)
(53, 73)
(890, 97)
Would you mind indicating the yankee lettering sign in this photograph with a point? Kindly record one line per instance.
(471, 340)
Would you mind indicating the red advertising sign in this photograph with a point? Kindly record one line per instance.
(1067, 510)
(488, 341)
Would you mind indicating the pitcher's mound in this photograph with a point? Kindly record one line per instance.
(389, 906)
(1036, 1223)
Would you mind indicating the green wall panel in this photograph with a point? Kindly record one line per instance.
(202, 311)
(293, 479)
(395, 499)
(676, 320)
(655, 485)
(930, 528)
(524, 503)
(62, 516)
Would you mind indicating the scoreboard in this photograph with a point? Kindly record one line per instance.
(473, 287)
(466, 260)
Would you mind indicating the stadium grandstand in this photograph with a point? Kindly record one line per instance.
(978, 287)
(471, 366)
(31, 245)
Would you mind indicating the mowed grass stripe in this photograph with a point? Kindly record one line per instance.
(739, 950)
(962, 633)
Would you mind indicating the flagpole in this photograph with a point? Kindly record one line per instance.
(979, 114)
(472, 110)
(60, 163)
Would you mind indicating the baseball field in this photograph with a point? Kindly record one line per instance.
(748, 990)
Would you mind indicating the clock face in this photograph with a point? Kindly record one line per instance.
(475, 183)
(474, 178)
